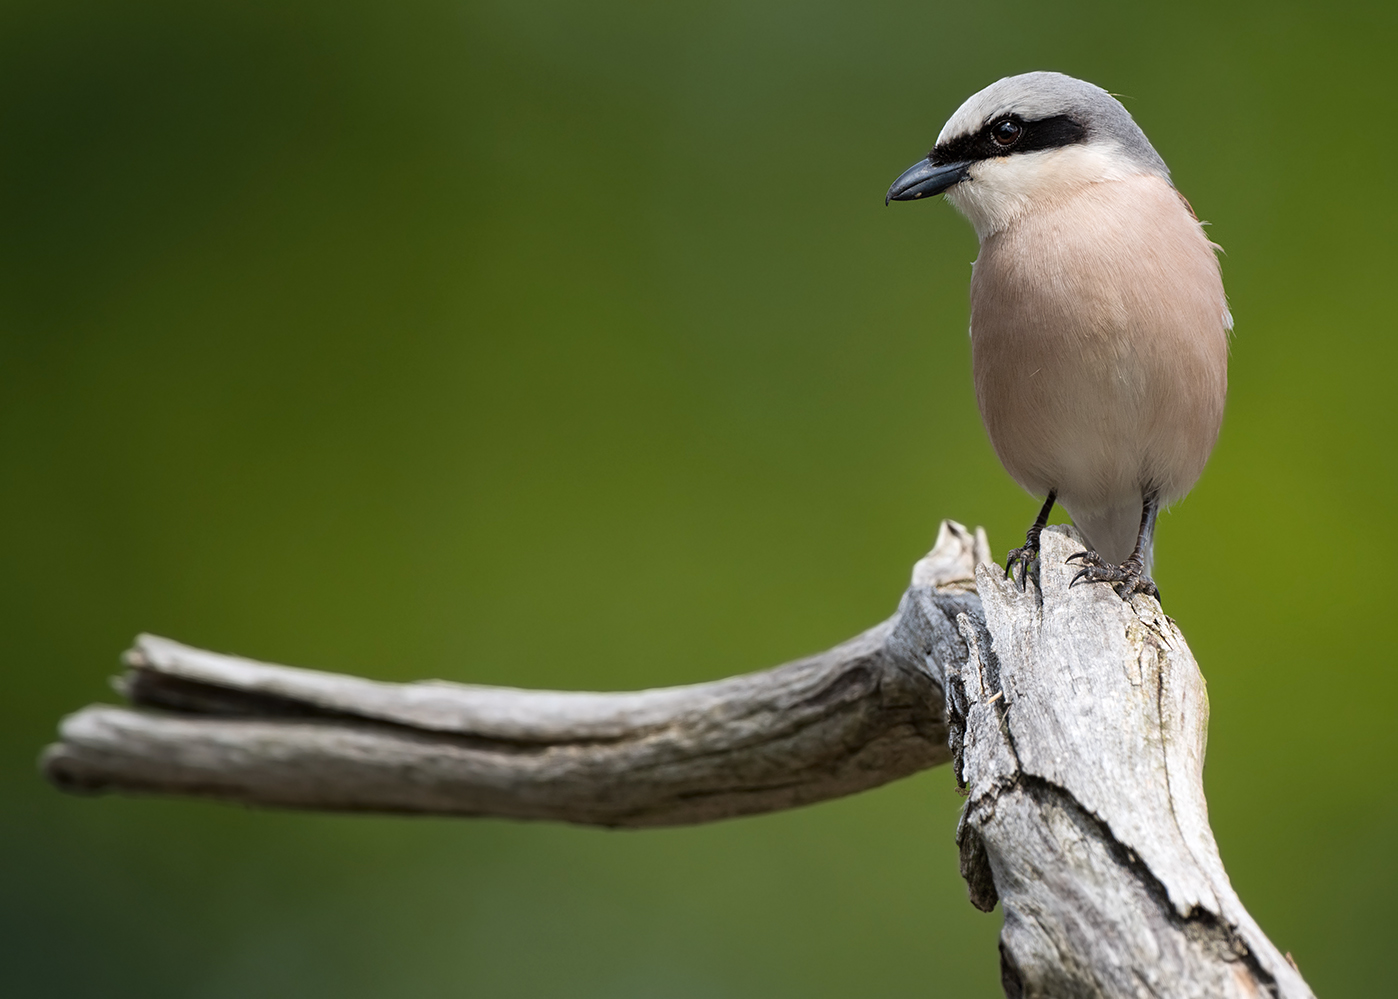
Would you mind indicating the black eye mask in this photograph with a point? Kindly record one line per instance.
(1041, 133)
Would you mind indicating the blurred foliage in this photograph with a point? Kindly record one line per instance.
(563, 344)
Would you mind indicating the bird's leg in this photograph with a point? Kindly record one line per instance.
(1129, 577)
(1029, 554)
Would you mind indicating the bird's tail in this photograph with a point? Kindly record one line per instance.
(1112, 532)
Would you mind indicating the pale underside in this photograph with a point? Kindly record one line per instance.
(1099, 337)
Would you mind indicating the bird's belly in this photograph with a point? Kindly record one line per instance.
(1062, 419)
(1101, 405)
(1099, 348)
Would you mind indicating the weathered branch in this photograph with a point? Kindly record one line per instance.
(1079, 721)
(1076, 722)
(864, 713)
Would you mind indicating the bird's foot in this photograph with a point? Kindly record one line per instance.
(1127, 579)
(1026, 558)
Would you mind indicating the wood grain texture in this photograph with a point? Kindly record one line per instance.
(1075, 723)
(1080, 721)
(857, 716)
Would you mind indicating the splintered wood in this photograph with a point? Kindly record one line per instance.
(1075, 722)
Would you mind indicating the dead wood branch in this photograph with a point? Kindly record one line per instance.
(1076, 722)
(864, 713)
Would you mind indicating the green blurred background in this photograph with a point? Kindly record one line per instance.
(571, 345)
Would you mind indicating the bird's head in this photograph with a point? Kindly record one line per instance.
(1026, 140)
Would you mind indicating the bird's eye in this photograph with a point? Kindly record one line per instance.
(1006, 132)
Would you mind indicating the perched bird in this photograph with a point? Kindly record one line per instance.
(1099, 326)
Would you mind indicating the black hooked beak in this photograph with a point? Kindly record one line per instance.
(924, 179)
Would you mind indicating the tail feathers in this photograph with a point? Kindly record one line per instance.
(1112, 532)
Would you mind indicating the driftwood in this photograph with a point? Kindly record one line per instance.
(1079, 722)
(862, 714)
(1075, 722)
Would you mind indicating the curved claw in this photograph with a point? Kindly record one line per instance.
(1088, 556)
(1127, 578)
(1024, 558)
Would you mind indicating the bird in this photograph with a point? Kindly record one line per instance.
(1099, 324)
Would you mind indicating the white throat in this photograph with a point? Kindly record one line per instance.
(998, 191)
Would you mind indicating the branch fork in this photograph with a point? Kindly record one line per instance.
(1075, 722)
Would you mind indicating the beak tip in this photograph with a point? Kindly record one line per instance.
(924, 179)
